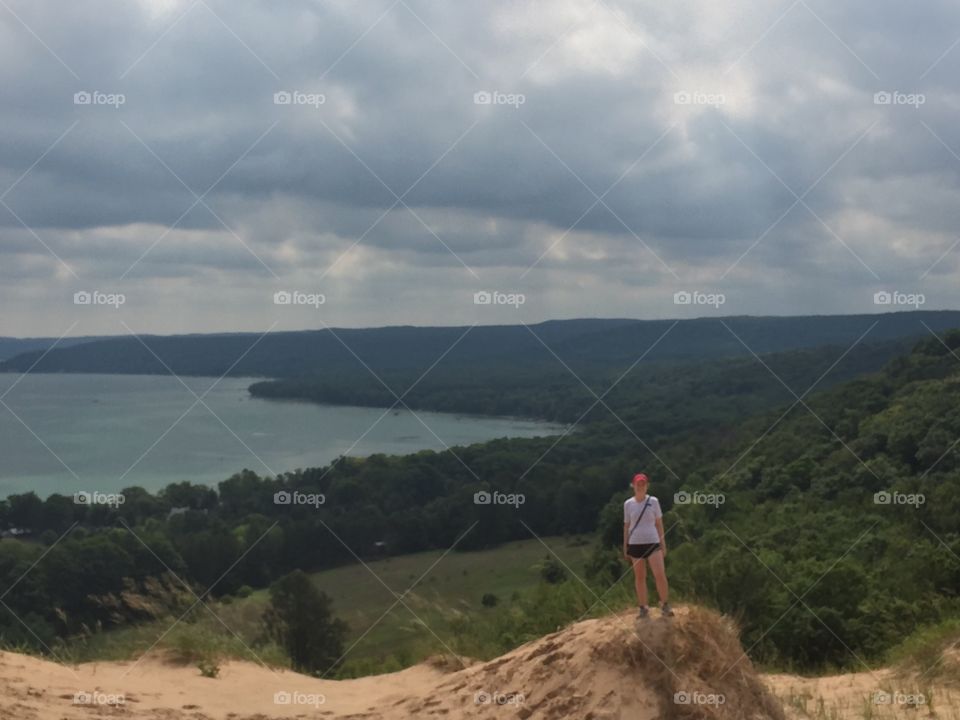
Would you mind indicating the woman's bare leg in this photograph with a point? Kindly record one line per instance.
(659, 576)
(640, 580)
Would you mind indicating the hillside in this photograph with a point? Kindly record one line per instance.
(600, 669)
(592, 669)
(380, 639)
(654, 396)
(839, 531)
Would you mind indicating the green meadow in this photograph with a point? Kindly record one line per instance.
(399, 610)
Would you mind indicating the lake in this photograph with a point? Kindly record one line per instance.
(67, 433)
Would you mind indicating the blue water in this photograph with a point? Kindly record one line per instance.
(68, 433)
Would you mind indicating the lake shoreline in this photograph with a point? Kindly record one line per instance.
(68, 433)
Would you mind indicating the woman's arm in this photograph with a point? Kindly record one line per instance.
(663, 540)
(626, 540)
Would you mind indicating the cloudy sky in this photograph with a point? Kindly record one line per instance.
(398, 156)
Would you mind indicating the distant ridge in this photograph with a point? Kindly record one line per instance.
(11, 347)
(583, 344)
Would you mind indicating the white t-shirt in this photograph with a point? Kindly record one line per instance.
(646, 531)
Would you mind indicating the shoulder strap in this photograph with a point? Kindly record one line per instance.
(645, 505)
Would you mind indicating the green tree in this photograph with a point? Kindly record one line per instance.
(552, 571)
(300, 619)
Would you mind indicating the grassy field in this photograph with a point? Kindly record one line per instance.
(437, 590)
(453, 588)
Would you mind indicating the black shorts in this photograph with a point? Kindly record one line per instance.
(642, 551)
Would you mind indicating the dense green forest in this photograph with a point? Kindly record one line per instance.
(652, 398)
(820, 569)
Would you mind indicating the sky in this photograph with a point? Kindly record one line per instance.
(175, 166)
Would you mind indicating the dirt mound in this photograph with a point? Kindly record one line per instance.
(687, 667)
(691, 666)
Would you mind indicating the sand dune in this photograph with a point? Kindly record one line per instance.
(876, 694)
(688, 667)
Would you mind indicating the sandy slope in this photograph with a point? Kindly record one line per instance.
(878, 695)
(34, 689)
(593, 669)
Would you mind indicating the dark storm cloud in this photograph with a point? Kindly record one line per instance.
(690, 192)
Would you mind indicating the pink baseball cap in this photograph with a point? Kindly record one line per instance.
(639, 478)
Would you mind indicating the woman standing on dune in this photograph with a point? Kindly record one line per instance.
(643, 542)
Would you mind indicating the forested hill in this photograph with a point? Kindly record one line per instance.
(656, 397)
(583, 344)
(840, 529)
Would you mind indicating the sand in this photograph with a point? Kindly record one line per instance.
(35, 689)
(875, 694)
(598, 669)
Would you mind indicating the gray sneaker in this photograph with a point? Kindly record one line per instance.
(643, 613)
(665, 610)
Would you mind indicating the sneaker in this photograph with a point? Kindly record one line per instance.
(666, 611)
(643, 613)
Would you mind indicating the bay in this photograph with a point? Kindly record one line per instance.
(67, 433)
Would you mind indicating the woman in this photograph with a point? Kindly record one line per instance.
(643, 542)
